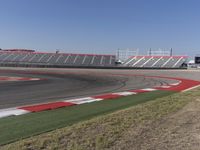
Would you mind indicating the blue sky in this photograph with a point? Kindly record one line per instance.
(100, 26)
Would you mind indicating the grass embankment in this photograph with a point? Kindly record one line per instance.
(15, 128)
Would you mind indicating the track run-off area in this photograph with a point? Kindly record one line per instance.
(87, 92)
(24, 90)
(21, 86)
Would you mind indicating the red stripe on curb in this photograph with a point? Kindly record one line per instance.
(49, 106)
(107, 96)
(184, 85)
(3, 79)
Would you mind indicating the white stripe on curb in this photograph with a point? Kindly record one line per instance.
(34, 79)
(7, 78)
(149, 89)
(124, 93)
(12, 112)
(83, 100)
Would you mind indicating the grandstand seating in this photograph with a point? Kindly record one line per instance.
(155, 61)
(32, 58)
(57, 59)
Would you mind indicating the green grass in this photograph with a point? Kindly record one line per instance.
(19, 127)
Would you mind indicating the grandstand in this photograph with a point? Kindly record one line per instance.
(155, 61)
(28, 58)
(124, 59)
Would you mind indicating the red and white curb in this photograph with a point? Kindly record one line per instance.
(181, 85)
(65, 103)
(6, 78)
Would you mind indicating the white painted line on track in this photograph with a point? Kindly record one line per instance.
(194, 87)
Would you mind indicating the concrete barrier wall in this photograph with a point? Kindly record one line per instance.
(64, 66)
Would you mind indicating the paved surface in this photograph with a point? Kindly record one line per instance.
(70, 83)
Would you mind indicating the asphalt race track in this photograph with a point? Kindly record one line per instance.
(59, 84)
